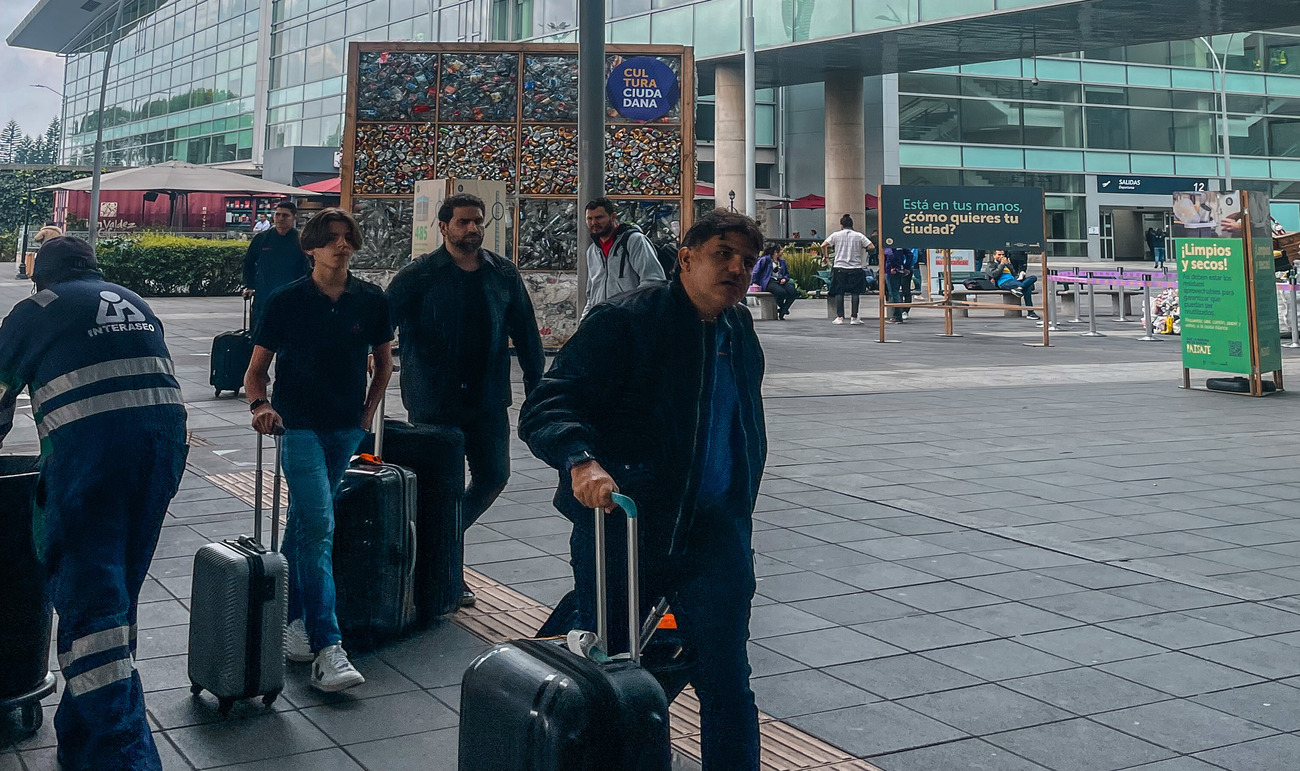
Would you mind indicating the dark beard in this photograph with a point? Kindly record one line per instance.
(467, 244)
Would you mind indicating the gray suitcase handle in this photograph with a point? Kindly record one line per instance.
(633, 579)
(275, 496)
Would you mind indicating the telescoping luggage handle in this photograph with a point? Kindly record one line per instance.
(275, 497)
(248, 303)
(633, 578)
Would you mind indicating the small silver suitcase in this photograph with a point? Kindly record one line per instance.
(238, 603)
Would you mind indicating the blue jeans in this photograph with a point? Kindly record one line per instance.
(1159, 253)
(314, 462)
(900, 291)
(710, 591)
(102, 512)
(1026, 285)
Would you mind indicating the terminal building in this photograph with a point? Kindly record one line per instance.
(852, 93)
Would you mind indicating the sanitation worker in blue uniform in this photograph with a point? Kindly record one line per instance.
(109, 414)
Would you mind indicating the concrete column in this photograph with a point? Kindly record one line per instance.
(846, 185)
(729, 135)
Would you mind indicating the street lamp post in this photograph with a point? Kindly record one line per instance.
(113, 35)
(1221, 64)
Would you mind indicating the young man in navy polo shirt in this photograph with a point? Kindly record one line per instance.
(321, 328)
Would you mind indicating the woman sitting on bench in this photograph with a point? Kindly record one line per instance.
(772, 274)
(1000, 273)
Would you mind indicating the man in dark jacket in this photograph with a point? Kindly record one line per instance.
(657, 396)
(456, 309)
(111, 420)
(274, 258)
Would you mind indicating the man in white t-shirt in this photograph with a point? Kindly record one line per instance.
(848, 271)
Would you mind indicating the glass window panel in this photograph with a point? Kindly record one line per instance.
(929, 155)
(1053, 125)
(618, 8)
(765, 128)
(719, 30)
(1105, 73)
(827, 17)
(1151, 130)
(1284, 59)
(927, 83)
(772, 23)
(990, 88)
(1249, 137)
(671, 27)
(1106, 163)
(1194, 133)
(1251, 105)
(1199, 101)
(993, 157)
(945, 9)
(1051, 92)
(1107, 127)
(987, 121)
(1150, 97)
(922, 176)
(1055, 160)
(1277, 106)
(1196, 167)
(1009, 68)
(630, 30)
(1105, 95)
(1148, 76)
(316, 33)
(929, 119)
(401, 9)
(1193, 79)
(1151, 53)
(704, 116)
(1056, 69)
(1152, 164)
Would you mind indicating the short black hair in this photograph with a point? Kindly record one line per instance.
(720, 222)
(287, 204)
(771, 249)
(316, 233)
(602, 203)
(451, 203)
(846, 221)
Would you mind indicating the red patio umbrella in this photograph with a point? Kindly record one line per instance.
(814, 201)
(331, 185)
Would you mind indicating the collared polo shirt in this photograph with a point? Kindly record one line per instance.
(321, 347)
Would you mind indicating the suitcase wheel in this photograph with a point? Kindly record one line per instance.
(270, 698)
(224, 706)
(196, 689)
(30, 717)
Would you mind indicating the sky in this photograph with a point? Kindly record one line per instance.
(31, 107)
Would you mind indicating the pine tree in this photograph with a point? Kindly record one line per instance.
(24, 149)
(53, 136)
(9, 137)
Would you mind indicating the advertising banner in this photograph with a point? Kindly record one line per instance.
(1212, 299)
(1268, 327)
(924, 217)
(429, 195)
(642, 89)
(962, 261)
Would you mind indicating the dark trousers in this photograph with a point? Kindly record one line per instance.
(785, 295)
(839, 305)
(710, 591)
(487, 452)
(102, 518)
(900, 291)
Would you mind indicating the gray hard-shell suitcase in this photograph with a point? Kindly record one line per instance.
(238, 602)
(539, 705)
(374, 548)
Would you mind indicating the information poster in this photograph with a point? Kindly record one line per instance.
(1268, 328)
(429, 195)
(1213, 302)
(962, 261)
(925, 217)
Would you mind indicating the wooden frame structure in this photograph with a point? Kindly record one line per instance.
(427, 78)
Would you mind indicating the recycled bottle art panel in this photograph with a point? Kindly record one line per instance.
(385, 233)
(550, 89)
(397, 86)
(389, 157)
(674, 63)
(661, 221)
(477, 152)
(643, 160)
(548, 160)
(555, 303)
(478, 88)
(548, 234)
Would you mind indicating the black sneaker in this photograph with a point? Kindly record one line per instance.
(1032, 315)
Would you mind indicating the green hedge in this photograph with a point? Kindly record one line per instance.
(157, 264)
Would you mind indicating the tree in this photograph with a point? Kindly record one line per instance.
(53, 137)
(24, 149)
(9, 137)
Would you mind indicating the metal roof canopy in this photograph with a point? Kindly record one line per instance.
(1063, 27)
(178, 177)
(62, 26)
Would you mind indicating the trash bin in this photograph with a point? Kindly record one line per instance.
(25, 616)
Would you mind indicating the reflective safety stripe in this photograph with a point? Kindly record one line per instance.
(96, 642)
(94, 679)
(144, 365)
(121, 400)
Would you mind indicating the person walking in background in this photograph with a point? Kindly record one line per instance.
(620, 257)
(898, 281)
(848, 271)
(772, 274)
(1158, 239)
(658, 395)
(914, 262)
(457, 309)
(274, 258)
(111, 420)
(321, 330)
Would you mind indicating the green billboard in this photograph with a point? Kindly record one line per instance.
(1214, 304)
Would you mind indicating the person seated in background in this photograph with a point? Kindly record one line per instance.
(772, 274)
(1001, 273)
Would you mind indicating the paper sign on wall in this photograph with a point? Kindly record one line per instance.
(429, 195)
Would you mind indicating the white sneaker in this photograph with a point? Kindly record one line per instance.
(854, 322)
(297, 646)
(904, 315)
(331, 671)
(839, 320)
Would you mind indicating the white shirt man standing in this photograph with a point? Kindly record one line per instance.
(620, 257)
(848, 271)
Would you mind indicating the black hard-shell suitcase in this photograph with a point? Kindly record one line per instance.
(25, 614)
(231, 353)
(238, 603)
(374, 550)
(539, 705)
(437, 456)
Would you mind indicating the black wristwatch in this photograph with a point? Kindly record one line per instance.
(253, 405)
(577, 459)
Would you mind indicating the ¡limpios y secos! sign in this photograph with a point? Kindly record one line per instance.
(642, 88)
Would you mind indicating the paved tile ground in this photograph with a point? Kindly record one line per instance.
(972, 555)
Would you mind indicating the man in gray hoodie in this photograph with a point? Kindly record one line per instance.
(620, 257)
